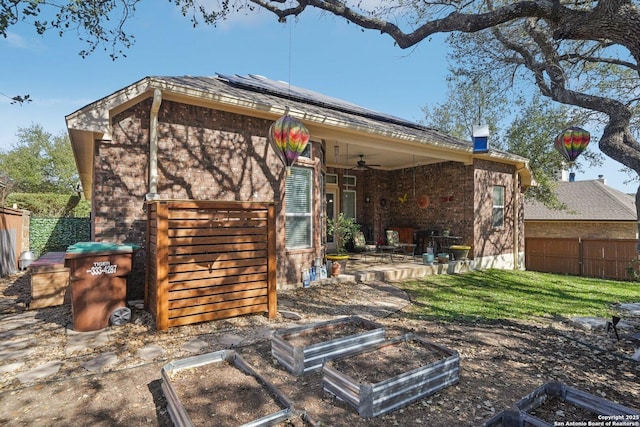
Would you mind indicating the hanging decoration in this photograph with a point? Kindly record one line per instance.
(414, 175)
(423, 201)
(289, 137)
(571, 142)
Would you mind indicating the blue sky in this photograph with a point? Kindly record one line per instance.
(317, 52)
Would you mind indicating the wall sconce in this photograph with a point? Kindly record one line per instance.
(367, 199)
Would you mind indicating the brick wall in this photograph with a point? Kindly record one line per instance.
(582, 229)
(203, 154)
(496, 241)
(460, 199)
(394, 195)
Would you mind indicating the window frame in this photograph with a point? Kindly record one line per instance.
(345, 201)
(497, 208)
(308, 215)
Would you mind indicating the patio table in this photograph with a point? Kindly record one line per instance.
(386, 250)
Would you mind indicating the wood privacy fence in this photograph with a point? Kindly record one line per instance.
(12, 231)
(607, 259)
(209, 260)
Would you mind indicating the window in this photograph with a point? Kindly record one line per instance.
(307, 151)
(349, 180)
(498, 206)
(349, 203)
(298, 208)
(332, 178)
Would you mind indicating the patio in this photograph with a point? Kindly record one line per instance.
(384, 267)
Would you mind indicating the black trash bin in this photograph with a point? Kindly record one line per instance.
(98, 280)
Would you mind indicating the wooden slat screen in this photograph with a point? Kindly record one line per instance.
(213, 260)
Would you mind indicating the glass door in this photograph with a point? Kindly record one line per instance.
(331, 198)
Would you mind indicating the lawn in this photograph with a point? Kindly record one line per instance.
(506, 294)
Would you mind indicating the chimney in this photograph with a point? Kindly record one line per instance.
(562, 174)
(602, 180)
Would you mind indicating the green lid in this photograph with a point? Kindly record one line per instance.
(90, 247)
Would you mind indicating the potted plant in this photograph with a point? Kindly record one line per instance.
(460, 252)
(343, 228)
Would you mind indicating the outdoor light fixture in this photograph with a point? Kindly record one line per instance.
(367, 199)
(289, 137)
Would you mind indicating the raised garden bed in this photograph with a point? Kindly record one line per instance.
(306, 348)
(513, 418)
(555, 402)
(391, 374)
(192, 397)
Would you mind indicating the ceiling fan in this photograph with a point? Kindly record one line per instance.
(362, 165)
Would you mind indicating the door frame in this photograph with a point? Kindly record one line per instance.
(335, 191)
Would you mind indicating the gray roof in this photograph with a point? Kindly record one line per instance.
(254, 88)
(586, 201)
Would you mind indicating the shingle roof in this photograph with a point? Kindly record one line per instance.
(586, 201)
(274, 93)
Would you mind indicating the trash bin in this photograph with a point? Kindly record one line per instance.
(98, 280)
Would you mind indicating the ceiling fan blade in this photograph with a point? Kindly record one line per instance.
(362, 164)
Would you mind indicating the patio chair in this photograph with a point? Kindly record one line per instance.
(393, 240)
(360, 245)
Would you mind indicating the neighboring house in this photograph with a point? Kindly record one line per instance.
(593, 211)
(595, 236)
(206, 138)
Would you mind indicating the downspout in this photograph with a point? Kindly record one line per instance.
(153, 146)
(516, 225)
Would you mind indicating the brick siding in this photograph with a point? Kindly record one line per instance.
(460, 199)
(582, 229)
(203, 154)
(206, 154)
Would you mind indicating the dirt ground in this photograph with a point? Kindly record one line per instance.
(500, 363)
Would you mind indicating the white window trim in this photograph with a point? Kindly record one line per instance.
(303, 214)
(496, 206)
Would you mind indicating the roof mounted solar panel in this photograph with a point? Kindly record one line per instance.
(283, 89)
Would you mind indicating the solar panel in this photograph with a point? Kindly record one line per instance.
(283, 89)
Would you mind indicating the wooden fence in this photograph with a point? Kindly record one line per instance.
(209, 260)
(607, 259)
(12, 232)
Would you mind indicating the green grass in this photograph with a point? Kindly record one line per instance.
(506, 294)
